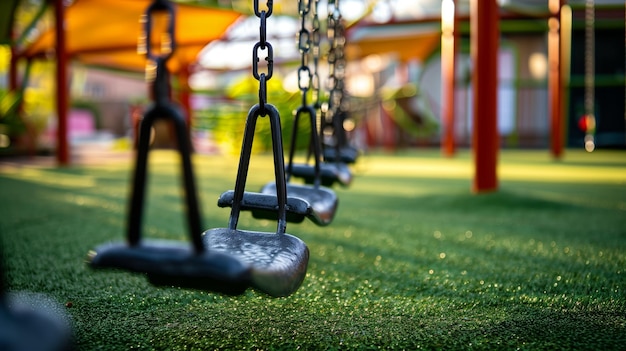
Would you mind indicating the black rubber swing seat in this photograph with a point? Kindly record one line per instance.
(338, 150)
(322, 201)
(32, 321)
(278, 262)
(264, 205)
(330, 173)
(347, 154)
(175, 263)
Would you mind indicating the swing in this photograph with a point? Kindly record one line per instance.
(167, 262)
(278, 260)
(278, 263)
(327, 172)
(333, 169)
(32, 321)
(322, 200)
(338, 151)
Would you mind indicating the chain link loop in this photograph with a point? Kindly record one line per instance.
(156, 72)
(270, 8)
(262, 93)
(304, 79)
(168, 40)
(168, 44)
(269, 59)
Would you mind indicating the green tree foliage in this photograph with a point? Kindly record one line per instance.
(226, 119)
(29, 107)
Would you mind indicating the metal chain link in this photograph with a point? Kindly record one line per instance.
(260, 46)
(156, 71)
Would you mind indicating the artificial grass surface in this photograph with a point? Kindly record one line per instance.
(413, 260)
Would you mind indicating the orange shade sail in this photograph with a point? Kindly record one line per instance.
(106, 32)
(406, 41)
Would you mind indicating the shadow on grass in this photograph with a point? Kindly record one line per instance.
(461, 201)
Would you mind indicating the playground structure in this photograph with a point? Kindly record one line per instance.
(559, 105)
(229, 260)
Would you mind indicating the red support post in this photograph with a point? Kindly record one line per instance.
(448, 58)
(555, 86)
(484, 34)
(62, 98)
(184, 94)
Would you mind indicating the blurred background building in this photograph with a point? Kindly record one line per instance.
(393, 75)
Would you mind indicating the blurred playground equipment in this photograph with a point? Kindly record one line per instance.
(551, 73)
(226, 260)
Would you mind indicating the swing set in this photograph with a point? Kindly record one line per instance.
(226, 260)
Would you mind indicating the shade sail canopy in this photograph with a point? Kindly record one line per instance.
(106, 32)
(406, 41)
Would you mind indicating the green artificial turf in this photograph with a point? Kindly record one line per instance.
(413, 259)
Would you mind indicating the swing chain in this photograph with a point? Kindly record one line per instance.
(304, 46)
(336, 59)
(589, 56)
(156, 63)
(263, 45)
(315, 78)
(589, 101)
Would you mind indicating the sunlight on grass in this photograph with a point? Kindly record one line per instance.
(560, 173)
(42, 176)
(418, 167)
(510, 168)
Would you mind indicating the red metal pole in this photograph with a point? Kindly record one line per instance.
(448, 58)
(484, 50)
(555, 80)
(184, 97)
(63, 158)
(184, 93)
